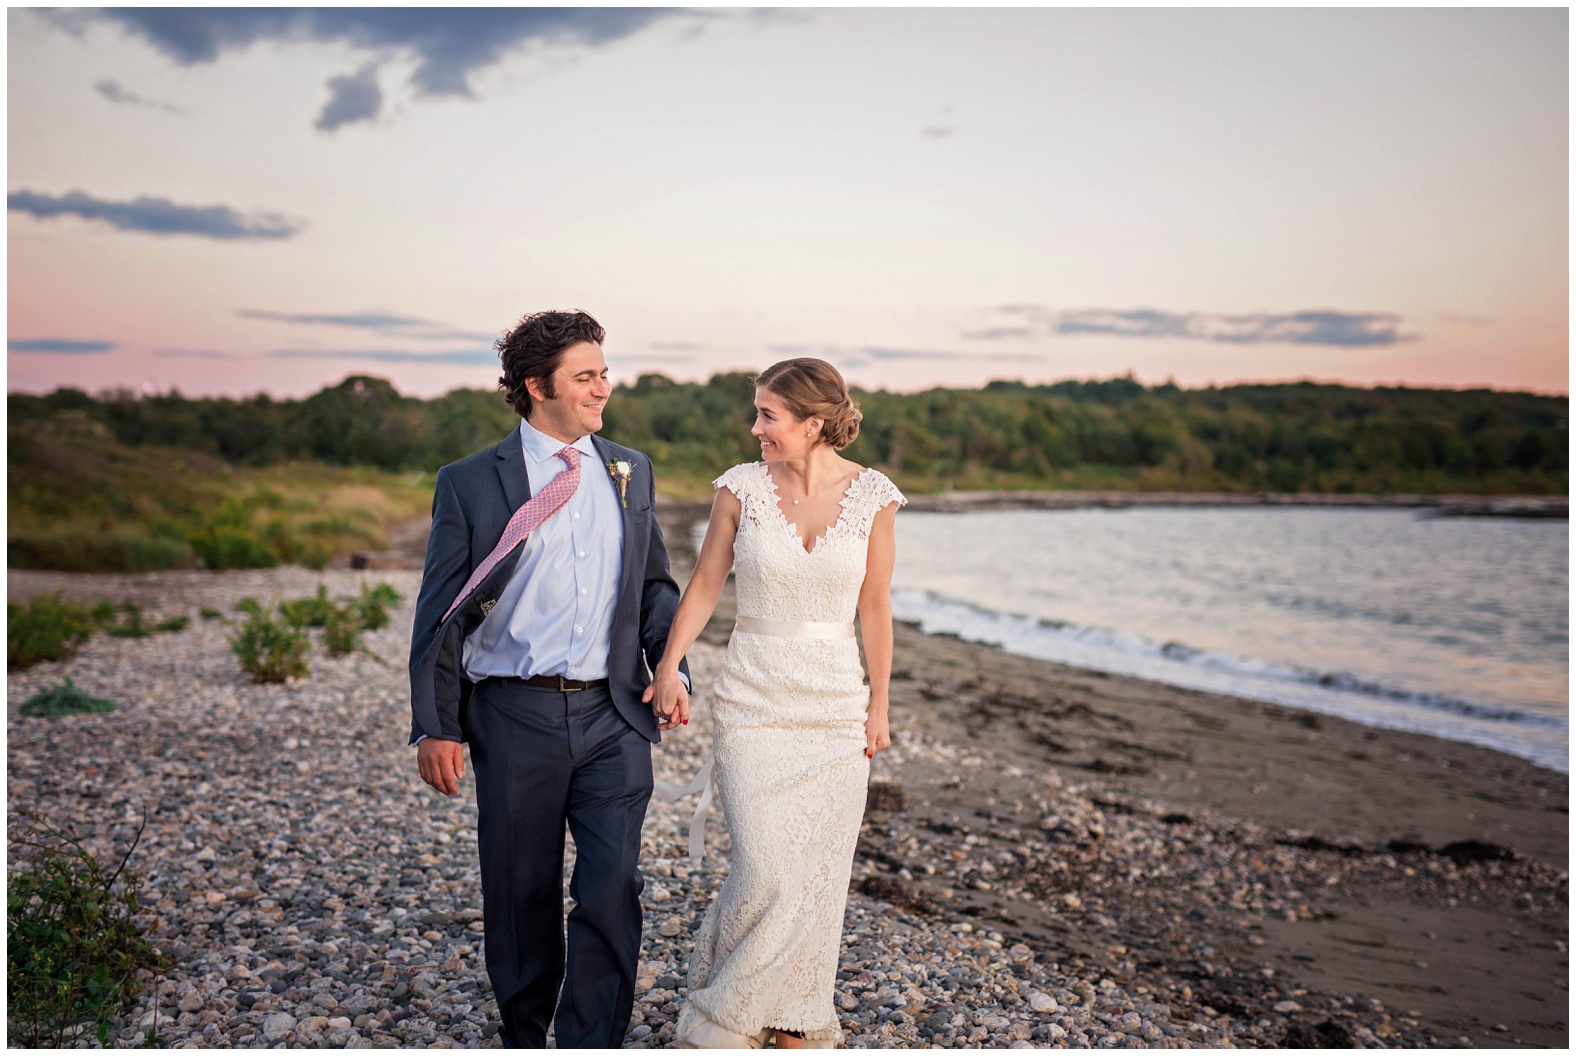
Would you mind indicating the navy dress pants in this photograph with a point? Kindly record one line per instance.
(545, 759)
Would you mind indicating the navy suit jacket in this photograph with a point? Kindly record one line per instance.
(473, 501)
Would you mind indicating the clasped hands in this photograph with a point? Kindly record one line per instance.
(668, 698)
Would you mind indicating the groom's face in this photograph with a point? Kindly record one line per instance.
(580, 391)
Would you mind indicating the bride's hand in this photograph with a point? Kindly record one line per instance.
(669, 699)
(877, 736)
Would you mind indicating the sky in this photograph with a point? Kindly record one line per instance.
(232, 201)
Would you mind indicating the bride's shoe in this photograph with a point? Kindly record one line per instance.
(708, 1035)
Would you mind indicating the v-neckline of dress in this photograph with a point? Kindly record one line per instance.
(793, 529)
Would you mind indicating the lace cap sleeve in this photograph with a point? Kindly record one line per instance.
(871, 494)
(876, 492)
(735, 479)
(744, 480)
(884, 492)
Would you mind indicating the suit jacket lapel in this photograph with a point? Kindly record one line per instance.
(511, 471)
(605, 454)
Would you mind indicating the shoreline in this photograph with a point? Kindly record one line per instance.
(1540, 506)
(1534, 506)
(678, 520)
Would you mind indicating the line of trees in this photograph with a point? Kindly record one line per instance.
(1112, 433)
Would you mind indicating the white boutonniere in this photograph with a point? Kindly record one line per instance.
(621, 471)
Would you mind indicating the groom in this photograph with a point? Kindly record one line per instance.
(538, 662)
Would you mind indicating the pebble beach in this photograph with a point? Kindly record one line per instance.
(309, 890)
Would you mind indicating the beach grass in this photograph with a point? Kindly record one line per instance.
(80, 501)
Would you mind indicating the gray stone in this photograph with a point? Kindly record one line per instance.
(278, 1025)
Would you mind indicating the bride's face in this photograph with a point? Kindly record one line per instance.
(780, 433)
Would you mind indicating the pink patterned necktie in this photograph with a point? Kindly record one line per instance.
(537, 509)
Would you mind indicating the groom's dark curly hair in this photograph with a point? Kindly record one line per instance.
(535, 346)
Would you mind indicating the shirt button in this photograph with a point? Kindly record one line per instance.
(582, 590)
(579, 629)
(582, 553)
(577, 516)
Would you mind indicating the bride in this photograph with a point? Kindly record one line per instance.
(809, 536)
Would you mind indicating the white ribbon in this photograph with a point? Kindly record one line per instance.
(697, 829)
(792, 628)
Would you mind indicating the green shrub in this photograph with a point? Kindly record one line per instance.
(126, 620)
(384, 593)
(132, 626)
(342, 630)
(105, 612)
(283, 541)
(72, 949)
(249, 605)
(65, 699)
(230, 549)
(227, 538)
(270, 650)
(86, 548)
(308, 612)
(209, 613)
(48, 628)
(373, 604)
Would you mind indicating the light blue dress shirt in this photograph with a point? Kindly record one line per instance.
(556, 615)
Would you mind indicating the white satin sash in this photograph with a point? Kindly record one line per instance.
(792, 628)
(671, 790)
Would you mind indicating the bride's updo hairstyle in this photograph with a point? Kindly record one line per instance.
(812, 388)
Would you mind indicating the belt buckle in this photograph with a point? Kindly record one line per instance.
(565, 687)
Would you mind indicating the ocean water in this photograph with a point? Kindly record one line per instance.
(1455, 627)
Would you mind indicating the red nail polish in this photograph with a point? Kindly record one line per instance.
(686, 722)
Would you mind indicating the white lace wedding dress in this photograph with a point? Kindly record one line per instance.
(789, 717)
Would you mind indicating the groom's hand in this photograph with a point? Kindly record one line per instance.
(669, 700)
(442, 764)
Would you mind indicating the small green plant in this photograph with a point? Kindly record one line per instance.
(65, 699)
(209, 613)
(72, 948)
(342, 630)
(47, 628)
(308, 612)
(132, 626)
(270, 650)
(126, 620)
(105, 612)
(374, 603)
(249, 605)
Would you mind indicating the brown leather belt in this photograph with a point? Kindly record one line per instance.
(558, 683)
